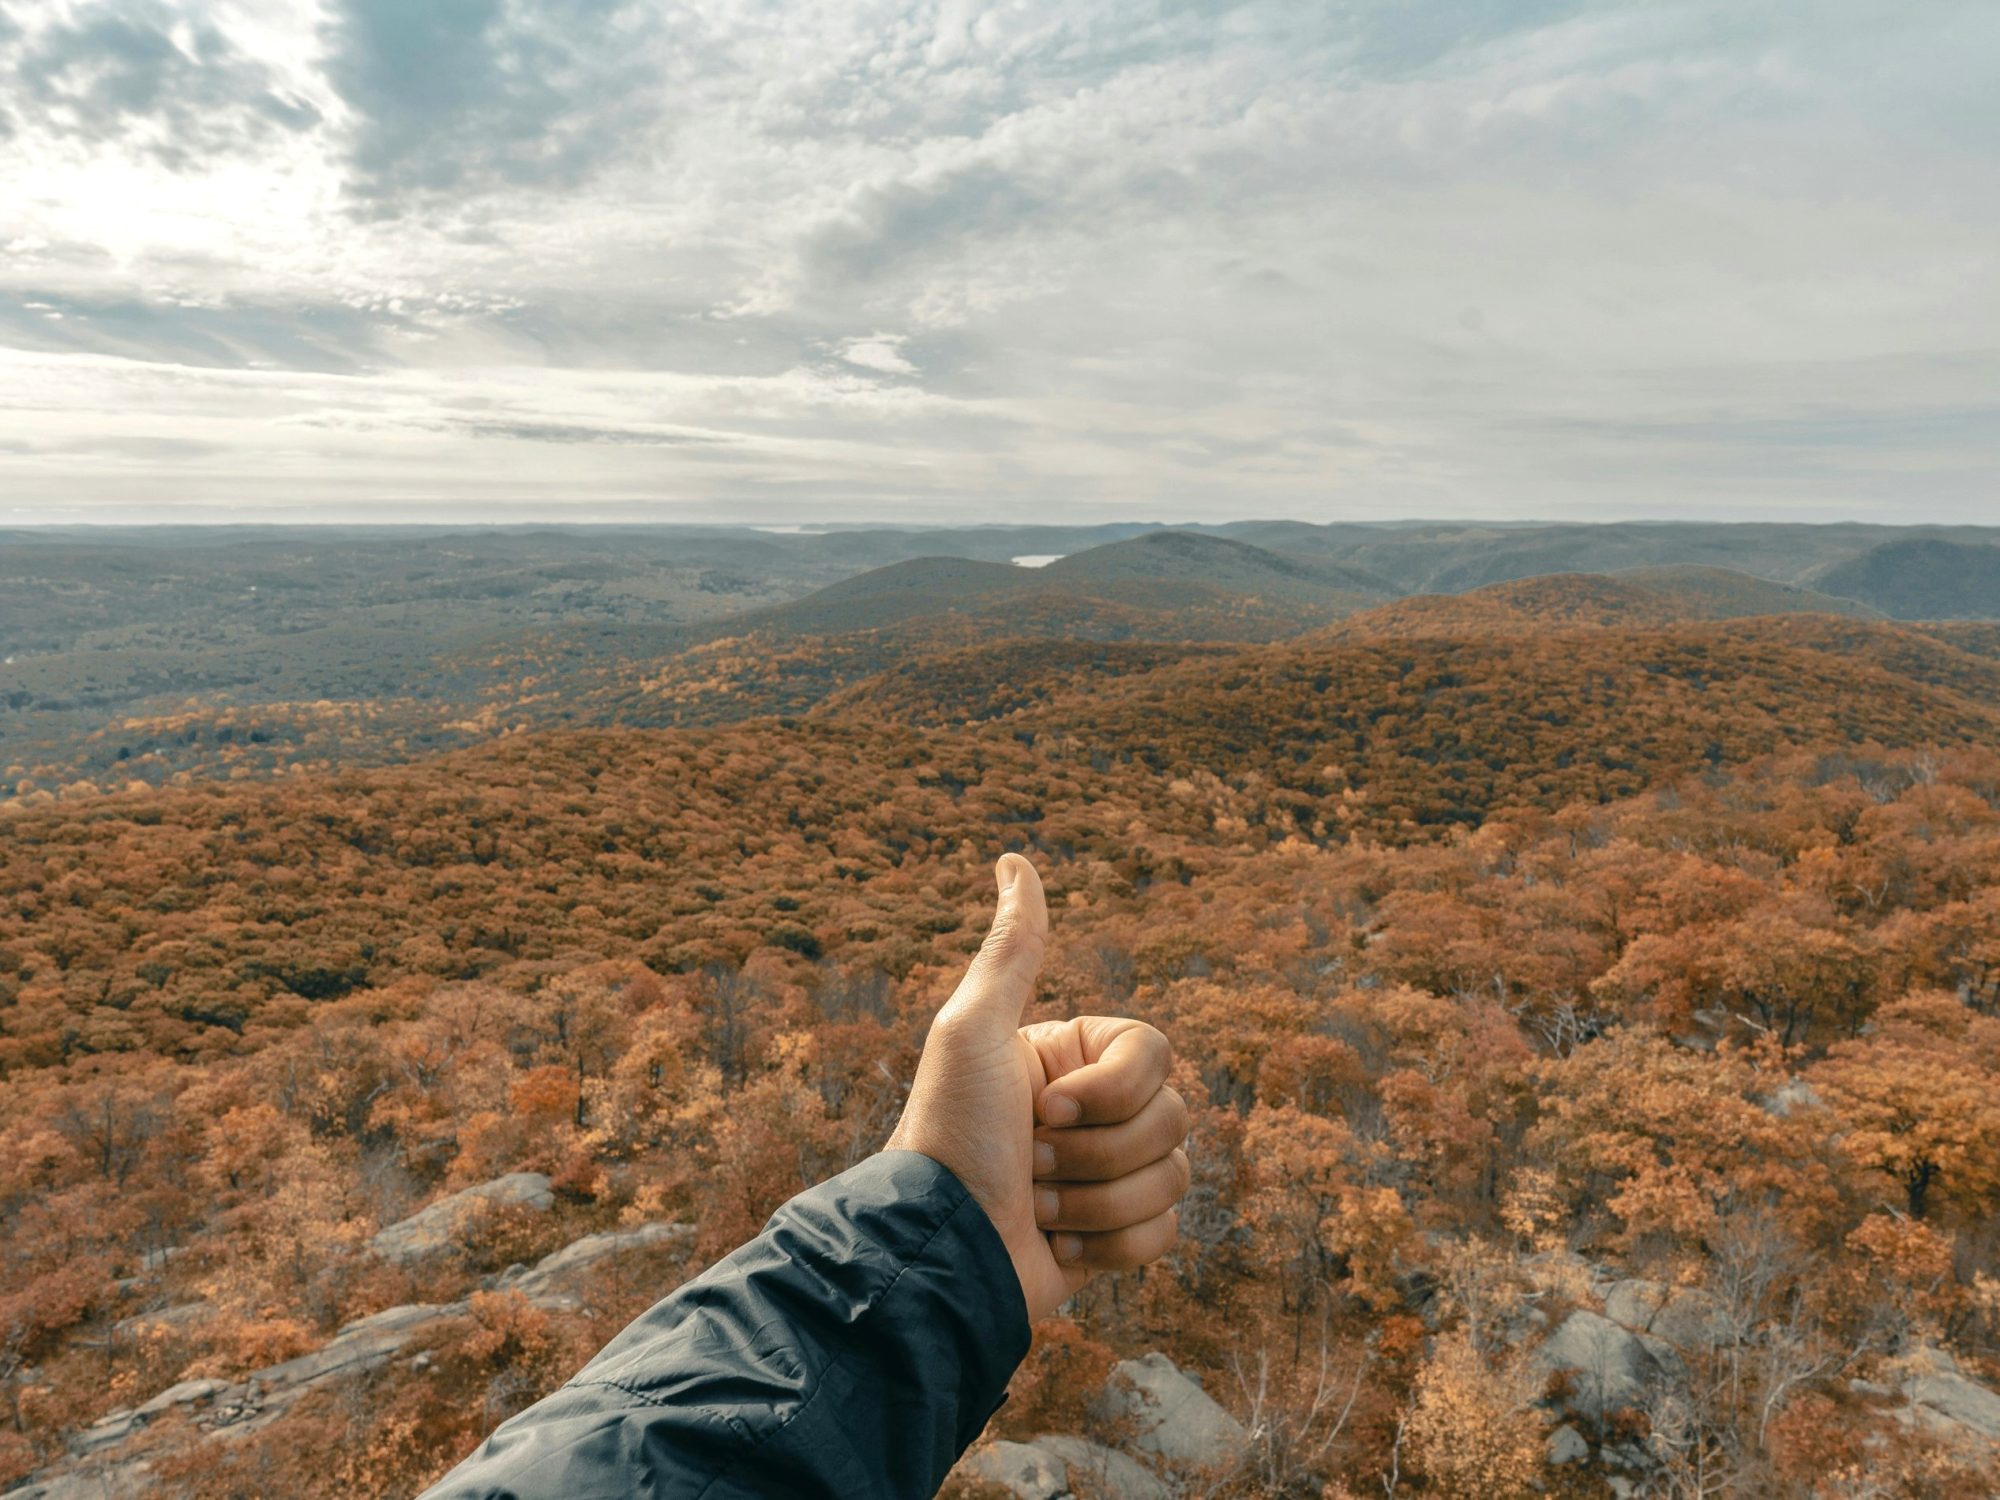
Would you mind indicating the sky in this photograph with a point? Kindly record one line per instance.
(1029, 260)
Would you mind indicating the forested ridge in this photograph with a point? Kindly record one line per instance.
(1516, 949)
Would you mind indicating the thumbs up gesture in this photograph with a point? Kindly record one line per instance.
(1065, 1132)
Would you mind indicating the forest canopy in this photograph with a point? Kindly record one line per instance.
(1509, 968)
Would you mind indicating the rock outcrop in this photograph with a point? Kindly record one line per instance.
(1025, 1470)
(1685, 1317)
(231, 1408)
(1107, 1472)
(1567, 1446)
(1176, 1427)
(1944, 1398)
(1174, 1419)
(542, 1282)
(1606, 1366)
(436, 1227)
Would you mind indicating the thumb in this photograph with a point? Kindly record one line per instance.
(1001, 981)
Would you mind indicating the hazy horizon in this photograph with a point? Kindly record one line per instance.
(473, 522)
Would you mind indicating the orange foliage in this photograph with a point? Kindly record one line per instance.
(1491, 970)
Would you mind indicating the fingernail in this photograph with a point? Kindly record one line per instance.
(1065, 1248)
(1003, 874)
(1045, 1157)
(1060, 1109)
(1047, 1205)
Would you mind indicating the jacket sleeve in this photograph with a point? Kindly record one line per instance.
(854, 1349)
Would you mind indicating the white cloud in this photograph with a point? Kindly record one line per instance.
(1183, 259)
(881, 352)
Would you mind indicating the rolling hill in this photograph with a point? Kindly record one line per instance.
(1453, 557)
(919, 588)
(1592, 601)
(1923, 578)
(1438, 730)
(1188, 557)
(1706, 593)
(1165, 584)
(977, 684)
(244, 651)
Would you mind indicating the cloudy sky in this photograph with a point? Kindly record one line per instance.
(794, 261)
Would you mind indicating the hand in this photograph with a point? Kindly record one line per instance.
(1090, 1188)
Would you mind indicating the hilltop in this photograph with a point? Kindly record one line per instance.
(1728, 593)
(1169, 584)
(1219, 563)
(1451, 558)
(1438, 730)
(1163, 588)
(1640, 598)
(1923, 578)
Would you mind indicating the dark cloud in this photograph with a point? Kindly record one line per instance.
(116, 72)
(455, 97)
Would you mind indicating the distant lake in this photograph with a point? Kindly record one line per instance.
(1037, 559)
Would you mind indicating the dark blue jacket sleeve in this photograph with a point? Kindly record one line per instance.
(853, 1349)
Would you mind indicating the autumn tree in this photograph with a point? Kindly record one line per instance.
(1918, 1104)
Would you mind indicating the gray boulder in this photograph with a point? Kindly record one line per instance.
(1022, 1469)
(1684, 1316)
(437, 1227)
(1104, 1473)
(125, 1481)
(1608, 1366)
(1944, 1398)
(1567, 1446)
(107, 1431)
(542, 1283)
(1174, 1419)
(185, 1394)
(179, 1315)
(360, 1346)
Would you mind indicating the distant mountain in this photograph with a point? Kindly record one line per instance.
(1705, 593)
(1166, 588)
(1161, 585)
(1923, 578)
(1218, 562)
(1641, 598)
(136, 654)
(1555, 602)
(874, 546)
(902, 591)
(1451, 557)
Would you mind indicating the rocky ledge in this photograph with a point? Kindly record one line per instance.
(100, 1469)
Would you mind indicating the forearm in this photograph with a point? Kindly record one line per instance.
(853, 1349)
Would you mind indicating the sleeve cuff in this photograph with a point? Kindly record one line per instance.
(962, 1274)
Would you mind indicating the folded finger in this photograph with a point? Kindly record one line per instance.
(1115, 1085)
(1098, 1153)
(1121, 1249)
(1131, 1199)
